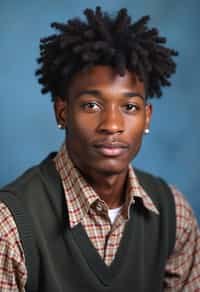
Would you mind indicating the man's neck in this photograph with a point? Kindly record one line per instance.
(111, 189)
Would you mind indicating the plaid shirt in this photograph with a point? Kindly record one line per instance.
(85, 207)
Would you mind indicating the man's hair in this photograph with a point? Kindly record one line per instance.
(105, 40)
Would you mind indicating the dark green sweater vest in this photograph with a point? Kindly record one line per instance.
(61, 259)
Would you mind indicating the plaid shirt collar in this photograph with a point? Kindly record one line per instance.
(80, 196)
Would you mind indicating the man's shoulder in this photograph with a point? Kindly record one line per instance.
(152, 183)
(30, 178)
(181, 202)
(25, 179)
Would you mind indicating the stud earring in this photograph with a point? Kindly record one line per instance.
(147, 131)
(59, 126)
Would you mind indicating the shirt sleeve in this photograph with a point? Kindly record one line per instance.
(13, 273)
(183, 266)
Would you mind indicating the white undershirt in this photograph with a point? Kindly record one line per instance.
(112, 213)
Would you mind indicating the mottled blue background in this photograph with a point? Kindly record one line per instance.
(27, 126)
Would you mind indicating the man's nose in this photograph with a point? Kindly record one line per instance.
(111, 121)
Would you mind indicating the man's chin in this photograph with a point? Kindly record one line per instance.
(110, 169)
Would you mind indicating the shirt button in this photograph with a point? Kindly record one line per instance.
(99, 207)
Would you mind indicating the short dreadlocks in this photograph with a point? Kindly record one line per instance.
(105, 40)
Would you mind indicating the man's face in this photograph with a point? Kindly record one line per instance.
(105, 115)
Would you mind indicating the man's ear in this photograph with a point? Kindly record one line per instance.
(60, 108)
(148, 112)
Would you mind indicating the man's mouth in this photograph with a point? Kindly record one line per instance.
(111, 149)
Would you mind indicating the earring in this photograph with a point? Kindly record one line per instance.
(59, 126)
(147, 131)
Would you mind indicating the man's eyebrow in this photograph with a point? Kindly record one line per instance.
(134, 94)
(92, 92)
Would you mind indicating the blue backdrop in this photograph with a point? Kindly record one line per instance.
(27, 125)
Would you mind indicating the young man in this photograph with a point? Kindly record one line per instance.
(84, 219)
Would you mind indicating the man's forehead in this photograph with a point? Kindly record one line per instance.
(100, 75)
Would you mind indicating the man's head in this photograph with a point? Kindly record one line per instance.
(100, 74)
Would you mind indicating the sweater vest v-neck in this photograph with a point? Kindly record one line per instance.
(60, 259)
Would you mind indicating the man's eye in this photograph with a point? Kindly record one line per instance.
(131, 107)
(90, 106)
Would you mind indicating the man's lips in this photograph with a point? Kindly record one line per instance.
(111, 149)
